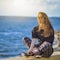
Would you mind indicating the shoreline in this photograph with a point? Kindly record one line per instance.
(56, 54)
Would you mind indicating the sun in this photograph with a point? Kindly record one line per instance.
(20, 3)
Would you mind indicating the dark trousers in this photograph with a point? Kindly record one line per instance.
(45, 49)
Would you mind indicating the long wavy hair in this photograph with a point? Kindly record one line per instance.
(44, 23)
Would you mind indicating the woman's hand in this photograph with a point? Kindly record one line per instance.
(29, 51)
(35, 50)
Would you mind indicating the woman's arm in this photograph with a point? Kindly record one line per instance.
(32, 45)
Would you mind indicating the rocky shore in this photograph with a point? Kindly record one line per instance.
(58, 36)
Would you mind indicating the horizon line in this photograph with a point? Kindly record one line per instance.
(23, 16)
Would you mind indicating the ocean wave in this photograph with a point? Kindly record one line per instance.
(10, 36)
(8, 33)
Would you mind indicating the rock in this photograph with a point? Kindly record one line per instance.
(58, 36)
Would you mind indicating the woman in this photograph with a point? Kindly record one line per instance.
(44, 32)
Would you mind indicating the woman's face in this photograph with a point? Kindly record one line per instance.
(40, 19)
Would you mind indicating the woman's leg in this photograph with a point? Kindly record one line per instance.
(27, 42)
(45, 49)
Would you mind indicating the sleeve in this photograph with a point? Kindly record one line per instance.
(34, 33)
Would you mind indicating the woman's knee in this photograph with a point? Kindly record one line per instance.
(26, 40)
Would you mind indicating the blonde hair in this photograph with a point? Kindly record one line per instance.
(45, 24)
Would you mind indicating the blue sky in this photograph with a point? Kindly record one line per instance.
(29, 7)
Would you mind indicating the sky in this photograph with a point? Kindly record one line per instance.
(29, 7)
